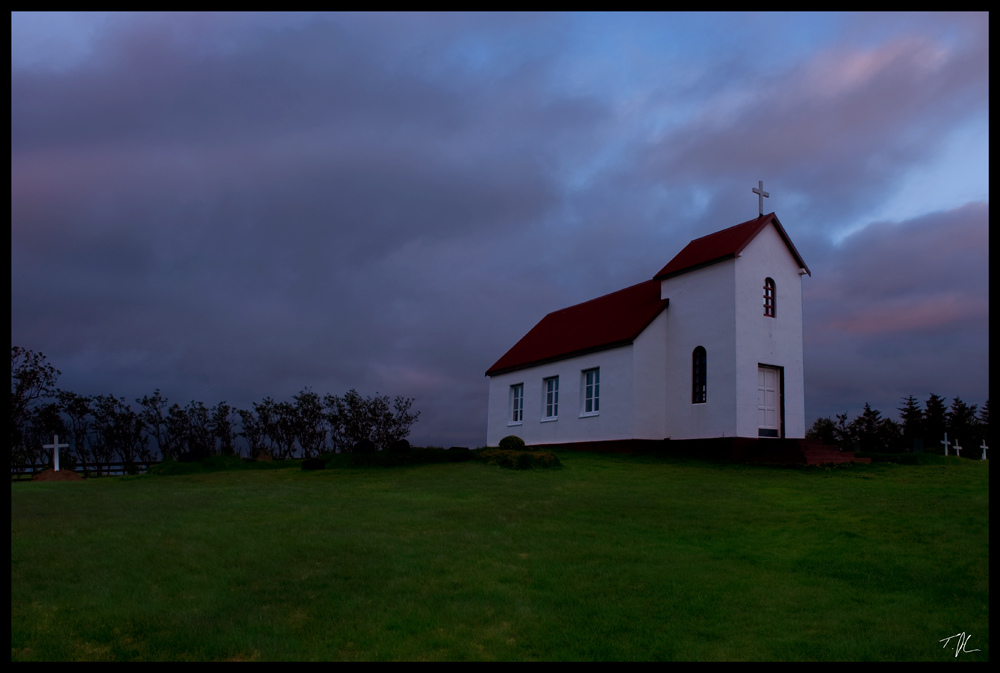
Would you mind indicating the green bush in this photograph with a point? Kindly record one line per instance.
(512, 443)
(518, 460)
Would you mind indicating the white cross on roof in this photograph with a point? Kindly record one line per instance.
(759, 191)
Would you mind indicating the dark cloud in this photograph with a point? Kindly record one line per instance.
(837, 130)
(900, 308)
(228, 208)
(288, 212)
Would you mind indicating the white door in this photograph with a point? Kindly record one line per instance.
(768, 405)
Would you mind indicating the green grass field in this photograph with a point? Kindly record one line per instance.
(609, 558)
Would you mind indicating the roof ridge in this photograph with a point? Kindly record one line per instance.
(603, 296)
(722, 231)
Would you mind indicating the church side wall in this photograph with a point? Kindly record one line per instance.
(701, 313)
(613, 422)
(764, 340)
(649, 392)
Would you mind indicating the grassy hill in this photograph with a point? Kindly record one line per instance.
(609, 558)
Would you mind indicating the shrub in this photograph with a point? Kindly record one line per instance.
(365, 446)
(458, 454)
(313, 464)
(512, 443)
(399, 446)
(518, 460)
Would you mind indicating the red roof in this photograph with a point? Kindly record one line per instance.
(615, 319)
(723, 245)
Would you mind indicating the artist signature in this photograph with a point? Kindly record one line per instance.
(963, 640)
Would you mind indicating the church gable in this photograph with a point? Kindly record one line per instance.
(723, 245)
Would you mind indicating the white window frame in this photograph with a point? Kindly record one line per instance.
(590, 392)
(550, 398)
(515, 405)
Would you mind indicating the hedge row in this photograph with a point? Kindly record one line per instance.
(518, 460)
(172, 467)
(915, 458)
(513, 459)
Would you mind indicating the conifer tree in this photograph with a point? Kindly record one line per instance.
(934, 420)
(961, 419)
(912, 417)
(870, 424)
(983, 426)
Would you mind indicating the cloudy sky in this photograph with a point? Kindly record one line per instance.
(231, 206)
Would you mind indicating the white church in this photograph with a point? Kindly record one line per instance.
(710, 347)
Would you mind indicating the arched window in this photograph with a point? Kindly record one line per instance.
(698, 375)
(769, 297)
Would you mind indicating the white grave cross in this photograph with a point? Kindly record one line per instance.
(983, 447)
(55, 446)
(761, 194)
(945, 442)
(958, 449)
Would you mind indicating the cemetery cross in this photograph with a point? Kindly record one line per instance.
(55, 446)
(983, 447)
(945, 442)
(958, 449)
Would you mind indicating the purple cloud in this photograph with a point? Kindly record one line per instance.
(228, 207)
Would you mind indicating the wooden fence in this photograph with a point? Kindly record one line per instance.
(20, 472)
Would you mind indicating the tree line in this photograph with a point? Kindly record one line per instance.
(102, 428)
(870, 431)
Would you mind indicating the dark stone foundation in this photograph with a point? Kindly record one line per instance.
(739, 449)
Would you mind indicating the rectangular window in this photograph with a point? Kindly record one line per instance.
(591, 391)
(551, 397)
(517, 403)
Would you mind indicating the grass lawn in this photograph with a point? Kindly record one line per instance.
(609, 558)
